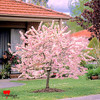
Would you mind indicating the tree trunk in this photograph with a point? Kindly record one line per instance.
(47, 81)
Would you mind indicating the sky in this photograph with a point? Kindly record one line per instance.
(61, 5)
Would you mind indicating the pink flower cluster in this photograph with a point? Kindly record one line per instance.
(51, 48)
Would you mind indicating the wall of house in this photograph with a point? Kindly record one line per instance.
(35, 24)
(22, 25)
(6, 24)
(14, 28)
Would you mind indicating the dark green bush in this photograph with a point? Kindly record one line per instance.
(90, 66)
(98, 70)
(93, 72)
(89, 74)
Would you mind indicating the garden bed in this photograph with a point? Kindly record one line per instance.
(48, 90)
(14, 75)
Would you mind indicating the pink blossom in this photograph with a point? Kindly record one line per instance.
(51, 47)
(10, 50)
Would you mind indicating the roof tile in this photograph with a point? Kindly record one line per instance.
(20, 8)
(83, 33)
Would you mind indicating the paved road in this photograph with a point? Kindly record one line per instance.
(90, 97)
(5, 83)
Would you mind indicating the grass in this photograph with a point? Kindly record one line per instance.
(73, 88)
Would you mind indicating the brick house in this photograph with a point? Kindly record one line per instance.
(16, 15)
(84, 33)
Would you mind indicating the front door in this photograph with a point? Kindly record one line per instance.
(4, 40)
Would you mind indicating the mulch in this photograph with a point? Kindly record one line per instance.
(48, 90)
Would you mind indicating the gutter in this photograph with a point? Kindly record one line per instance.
(31, 17)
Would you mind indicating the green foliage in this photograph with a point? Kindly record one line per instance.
(5, 71)
(73, 26)
(90, 16)
(76, 10)
(93, 72)
(89, 74)
(90, 66)
(83, 63)
(98, 70)
(78, 7)
(39, 2)
(95, 44)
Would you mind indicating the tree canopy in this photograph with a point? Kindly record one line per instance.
(76, 9)
(90, 17)
(51, 48)
(39, 2)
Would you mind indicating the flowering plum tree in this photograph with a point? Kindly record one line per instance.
(49, 50)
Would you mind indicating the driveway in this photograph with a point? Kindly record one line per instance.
(5, 83)
(90, 97)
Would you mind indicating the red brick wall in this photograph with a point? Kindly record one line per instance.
(35, 24)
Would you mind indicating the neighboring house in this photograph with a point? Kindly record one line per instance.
(83, 33)
(16, 15)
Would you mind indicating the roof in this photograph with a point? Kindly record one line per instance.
(19, 8)
(83, 33)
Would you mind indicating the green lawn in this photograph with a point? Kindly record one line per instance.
(73, 88)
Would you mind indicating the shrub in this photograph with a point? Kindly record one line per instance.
(98, 70)
(89, 74)
(93, 72)
(90, 66)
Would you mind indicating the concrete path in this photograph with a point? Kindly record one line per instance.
(5, 83)
(90, 97)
